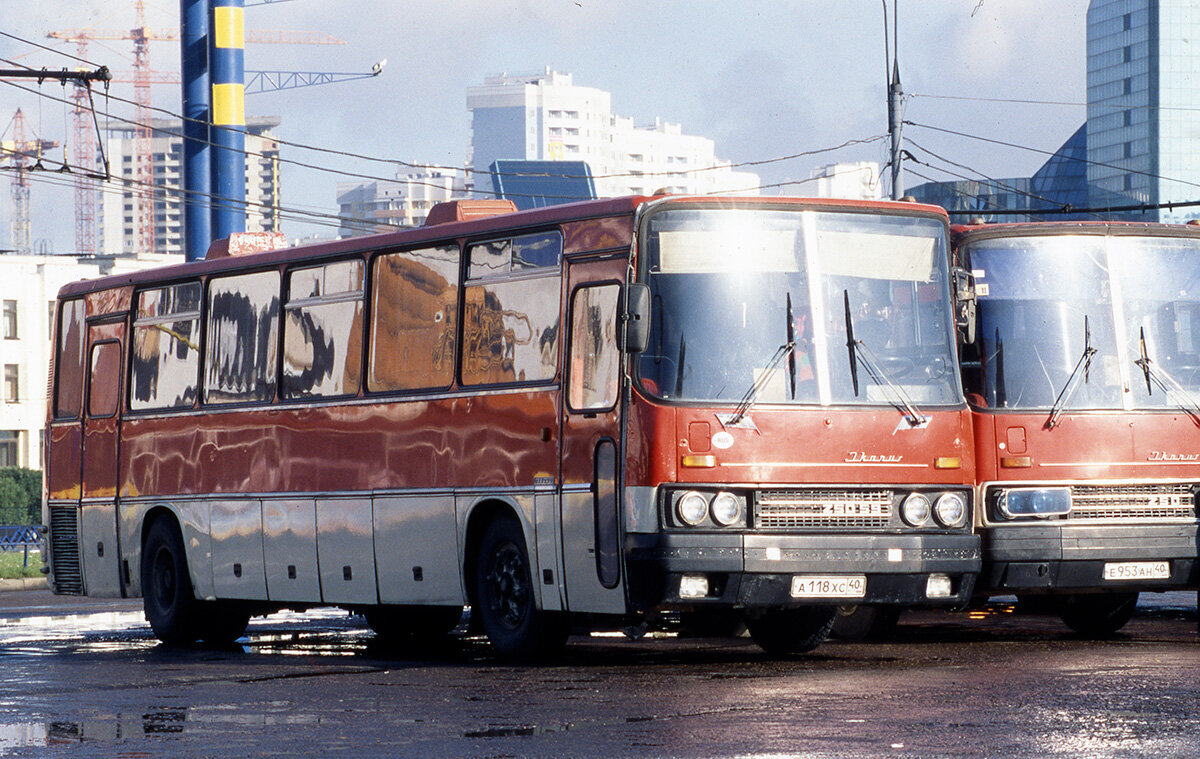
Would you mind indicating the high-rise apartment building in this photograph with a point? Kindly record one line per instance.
(546, 117)
(118, 210)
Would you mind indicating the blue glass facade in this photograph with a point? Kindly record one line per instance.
(1139, 144)
(534, 184)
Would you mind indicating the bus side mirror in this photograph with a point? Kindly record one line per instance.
(964, 304)
(634, 334)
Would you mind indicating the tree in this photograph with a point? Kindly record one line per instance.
(20, 496)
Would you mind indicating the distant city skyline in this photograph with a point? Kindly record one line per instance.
(775, 86)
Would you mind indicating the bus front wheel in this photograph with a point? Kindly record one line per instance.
(504, 596)
(786, 632)
(167, 594)
(1097, 615)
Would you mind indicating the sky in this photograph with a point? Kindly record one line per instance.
(764, 79)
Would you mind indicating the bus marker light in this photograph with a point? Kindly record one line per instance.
(895, 555)
(697, 461)
(693, 586)
(939, 586)
(1016, 462)
(947, 462)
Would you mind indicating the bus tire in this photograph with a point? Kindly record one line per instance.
(866, 623)
(397, 624)
(504, 597)
(787, 632)
(167, 596)
(1098, 615)
(223, 622)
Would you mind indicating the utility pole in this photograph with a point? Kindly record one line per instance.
(894, 95)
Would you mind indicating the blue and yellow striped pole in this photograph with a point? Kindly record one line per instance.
(197, 165)
(226, 60)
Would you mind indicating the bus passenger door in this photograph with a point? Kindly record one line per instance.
(591, 530)
(101, 431)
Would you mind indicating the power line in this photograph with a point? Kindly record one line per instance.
(1050, 153)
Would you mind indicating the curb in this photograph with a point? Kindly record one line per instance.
(25, 583)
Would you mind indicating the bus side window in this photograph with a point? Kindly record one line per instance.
(103, 389)
(68, 388)
(322, 330)
(242, 338)
(165, 371)
(511, 310)
(594, 358)
(414, 312)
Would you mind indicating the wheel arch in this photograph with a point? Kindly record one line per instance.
(480, 516)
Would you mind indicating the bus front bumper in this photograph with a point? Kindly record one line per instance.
(768, 571)
(1049, 557)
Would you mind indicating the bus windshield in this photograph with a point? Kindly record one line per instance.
(765, 299)
(1044, 301)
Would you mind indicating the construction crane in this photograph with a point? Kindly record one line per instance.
(22, 156)
(86, 202)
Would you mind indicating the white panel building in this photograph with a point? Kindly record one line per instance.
(28, 287)
(546, 117)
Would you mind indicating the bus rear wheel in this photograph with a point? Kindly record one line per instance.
(1098, 615)
(167, 595)
(504, 596)
(787, 632)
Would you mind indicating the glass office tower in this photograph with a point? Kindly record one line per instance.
(1143, 121)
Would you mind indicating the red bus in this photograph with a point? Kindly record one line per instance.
(616, 410)
(1084, 382)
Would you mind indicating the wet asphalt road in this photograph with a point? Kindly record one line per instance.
(82, 677)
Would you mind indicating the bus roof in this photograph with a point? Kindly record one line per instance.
(475, 228)
(964, 233)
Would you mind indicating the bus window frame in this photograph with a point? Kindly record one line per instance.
(372, 260)
(281, 396)
(127, 353)
(205, 316)
(570, 345)
(58, 364)
(93, 351)
(518, 275)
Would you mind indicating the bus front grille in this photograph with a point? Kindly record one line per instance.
(1139, 502)
(822, 508)
(64, 551)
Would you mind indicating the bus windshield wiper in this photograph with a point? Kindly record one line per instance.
(1068, 392)
(762, 381)
(787, 349)
(1168, 384)
(859, 350)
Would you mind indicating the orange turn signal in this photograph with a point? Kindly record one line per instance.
(947, 462)
(1016, 462)
(697, 461)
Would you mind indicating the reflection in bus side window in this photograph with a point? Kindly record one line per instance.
(165, 361)
(103, 389)
(518, 254)
(242, 338)
(510, 331)
(414, 307)
(68, 399)
(322, 331)
(594, 358)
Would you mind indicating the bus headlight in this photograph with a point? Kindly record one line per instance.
(692, 508)
(950, 510)
(727, 509)
(915, 509)
(1034, 502)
